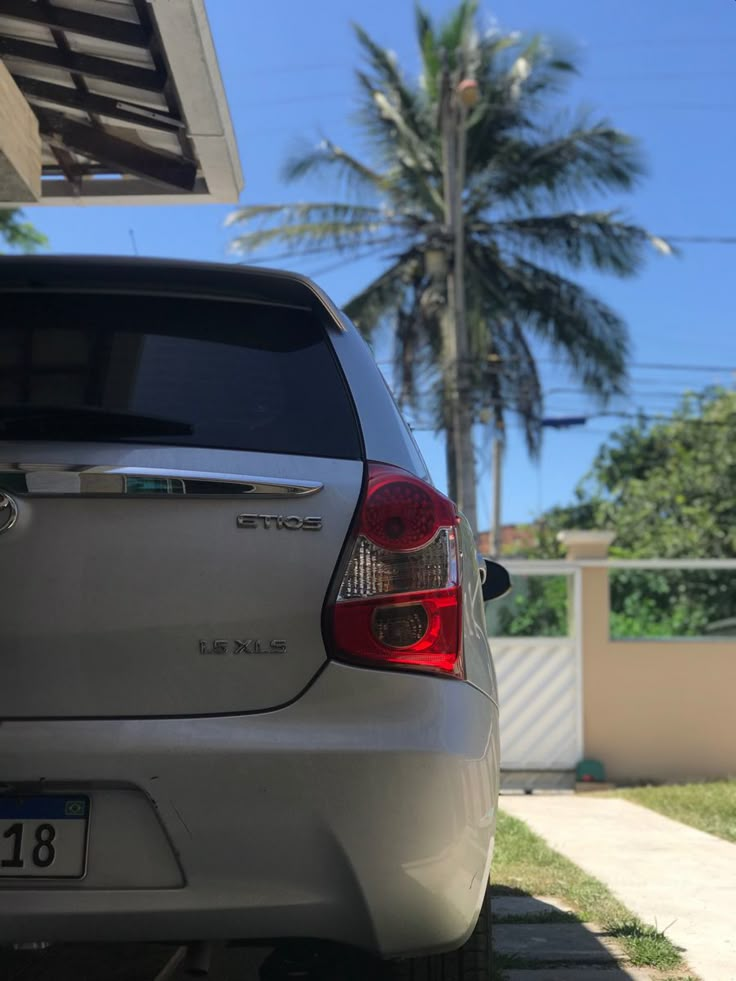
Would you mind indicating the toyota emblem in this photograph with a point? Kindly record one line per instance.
(8, 512)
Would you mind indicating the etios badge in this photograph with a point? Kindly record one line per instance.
(8, 512)
(292, 522)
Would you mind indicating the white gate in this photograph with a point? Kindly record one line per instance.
(540, 687)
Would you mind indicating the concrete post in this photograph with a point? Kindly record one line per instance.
(586, 544)
(20, 144)
(589, 609)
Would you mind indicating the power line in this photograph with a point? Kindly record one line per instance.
(636, 394)
(664, 366)
(677, 106)
(291, 69)
(644, 76)
(730, 420)
(344, 93)
(300, 253)
(260, 71)
(294, 99)
(667, 42)
(369, 253)
(703, 239)
(644, 365)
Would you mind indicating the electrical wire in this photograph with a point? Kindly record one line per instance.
(644, 365)
(702, 239)
(261, 71)
(327, 249)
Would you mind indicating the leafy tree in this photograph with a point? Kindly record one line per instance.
(667, 489)
(19, 234)
(526, 179)
(536, 607)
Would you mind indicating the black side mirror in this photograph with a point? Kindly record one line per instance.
(497, 582)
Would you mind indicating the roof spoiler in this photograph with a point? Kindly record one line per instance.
(167, 276)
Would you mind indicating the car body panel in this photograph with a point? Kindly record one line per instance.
(233, 797)
(135, 620)
(362, 813)
(476, 649)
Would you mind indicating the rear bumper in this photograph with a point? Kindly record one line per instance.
(364, 813)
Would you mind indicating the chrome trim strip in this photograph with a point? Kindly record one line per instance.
(63, 480)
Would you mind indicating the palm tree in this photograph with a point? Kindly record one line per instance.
(523, 182)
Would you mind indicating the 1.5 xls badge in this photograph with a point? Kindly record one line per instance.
(250, 646)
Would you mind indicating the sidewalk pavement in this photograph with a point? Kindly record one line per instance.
(672, 876)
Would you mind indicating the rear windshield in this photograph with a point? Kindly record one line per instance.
(176, 371)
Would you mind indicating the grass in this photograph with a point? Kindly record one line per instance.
(524, 863)
(709, 807)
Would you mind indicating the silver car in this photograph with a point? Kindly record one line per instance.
(245, 686)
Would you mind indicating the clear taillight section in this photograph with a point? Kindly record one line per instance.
(374, 571)
(399, 599)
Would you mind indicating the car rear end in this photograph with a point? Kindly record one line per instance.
(245, 693)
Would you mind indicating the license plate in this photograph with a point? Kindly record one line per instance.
(43, 837)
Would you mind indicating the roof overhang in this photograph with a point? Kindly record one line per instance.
(128, 105)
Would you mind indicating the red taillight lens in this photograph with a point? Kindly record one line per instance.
(402, 513)
(399, 601)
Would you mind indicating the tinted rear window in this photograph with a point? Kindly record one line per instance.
(234, 375)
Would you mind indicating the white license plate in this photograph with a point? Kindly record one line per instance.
(43, 836)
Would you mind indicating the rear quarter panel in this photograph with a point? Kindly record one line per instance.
(476, 648)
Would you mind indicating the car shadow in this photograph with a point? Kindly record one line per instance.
(533, 933)
(528, 933)
(124, 962)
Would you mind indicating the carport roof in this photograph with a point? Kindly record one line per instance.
(129, 100)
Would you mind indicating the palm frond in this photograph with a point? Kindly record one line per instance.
(593, 157)
(381, 298)
(416, 175)
(305, 211)
(384, 75)
(522, 381)
(525, 181)
(332, 159)
(596, 239)
(407, 343)
(332, 226)
(454, 34)
(431, 55)
(586, 332)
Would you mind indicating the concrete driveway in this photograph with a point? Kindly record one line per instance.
(681, 880)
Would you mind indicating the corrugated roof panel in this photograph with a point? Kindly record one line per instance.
(127, 88)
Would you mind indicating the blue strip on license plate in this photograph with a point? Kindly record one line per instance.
(43, 808)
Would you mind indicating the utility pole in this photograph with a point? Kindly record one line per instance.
(450, 326)
(455, 98)
(497, 455)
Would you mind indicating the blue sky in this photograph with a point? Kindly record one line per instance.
(662, 70)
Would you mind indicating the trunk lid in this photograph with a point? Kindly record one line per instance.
(173, 572)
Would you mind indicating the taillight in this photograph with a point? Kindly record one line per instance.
(399, 601)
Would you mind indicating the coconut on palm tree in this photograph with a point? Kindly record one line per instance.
(473, 199)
